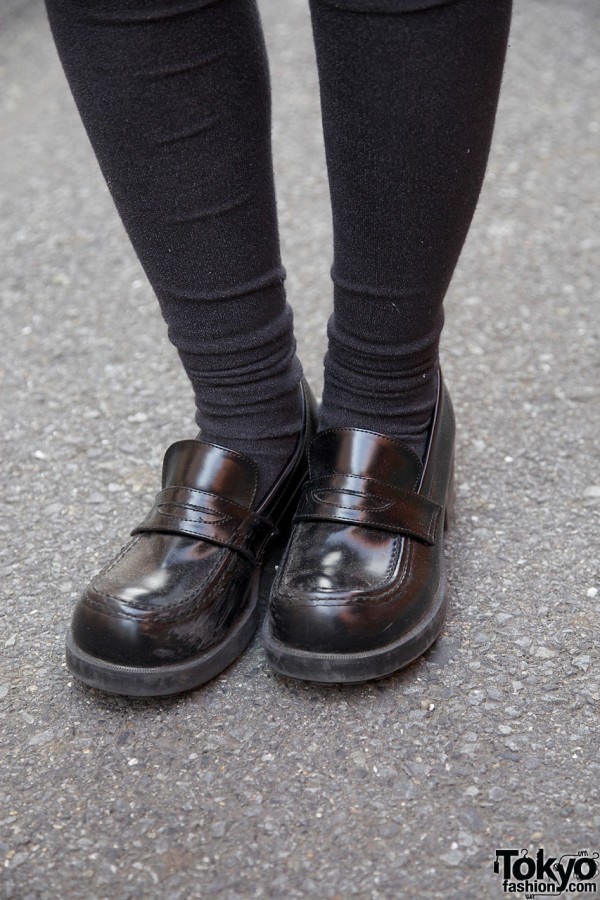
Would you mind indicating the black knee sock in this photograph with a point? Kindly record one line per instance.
(409, 90)
(175, 97)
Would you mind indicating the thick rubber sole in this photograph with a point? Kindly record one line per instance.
(353, 668)
(175, 678)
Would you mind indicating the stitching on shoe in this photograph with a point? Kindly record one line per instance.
(317, 499)
(368, 523)
(171, 614)
(103, 595)
(107, 596)
(382, 599)
(385, 597)
(224, 517)
(191, 490)
(282, 580)
(112, 562)
(428, 535)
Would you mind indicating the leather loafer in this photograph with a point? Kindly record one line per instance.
(361, 589)
(179, 602)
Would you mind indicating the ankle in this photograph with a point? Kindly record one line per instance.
(268, 438)
(401, 408)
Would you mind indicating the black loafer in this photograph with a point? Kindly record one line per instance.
(361, 590)
(179, 602)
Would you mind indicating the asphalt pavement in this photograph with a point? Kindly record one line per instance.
(255, 786)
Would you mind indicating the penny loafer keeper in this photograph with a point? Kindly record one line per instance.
(361, 590)
(179, 602)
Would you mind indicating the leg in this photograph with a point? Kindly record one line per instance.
(408, 102)
(408, 93)
(175, 98)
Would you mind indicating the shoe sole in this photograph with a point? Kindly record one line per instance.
(175, 678)
(353, 668)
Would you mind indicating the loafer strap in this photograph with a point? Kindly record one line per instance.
(202, 514)
(355, 500)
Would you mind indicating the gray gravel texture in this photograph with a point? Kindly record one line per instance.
(255, 786)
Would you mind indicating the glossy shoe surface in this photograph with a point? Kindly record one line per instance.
(179, 602)
(361, 590)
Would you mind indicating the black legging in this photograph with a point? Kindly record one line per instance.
(175, 98)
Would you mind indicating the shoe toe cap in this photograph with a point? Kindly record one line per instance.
(110, 630)
(142, 612)
(324, 622)
(325, 599)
